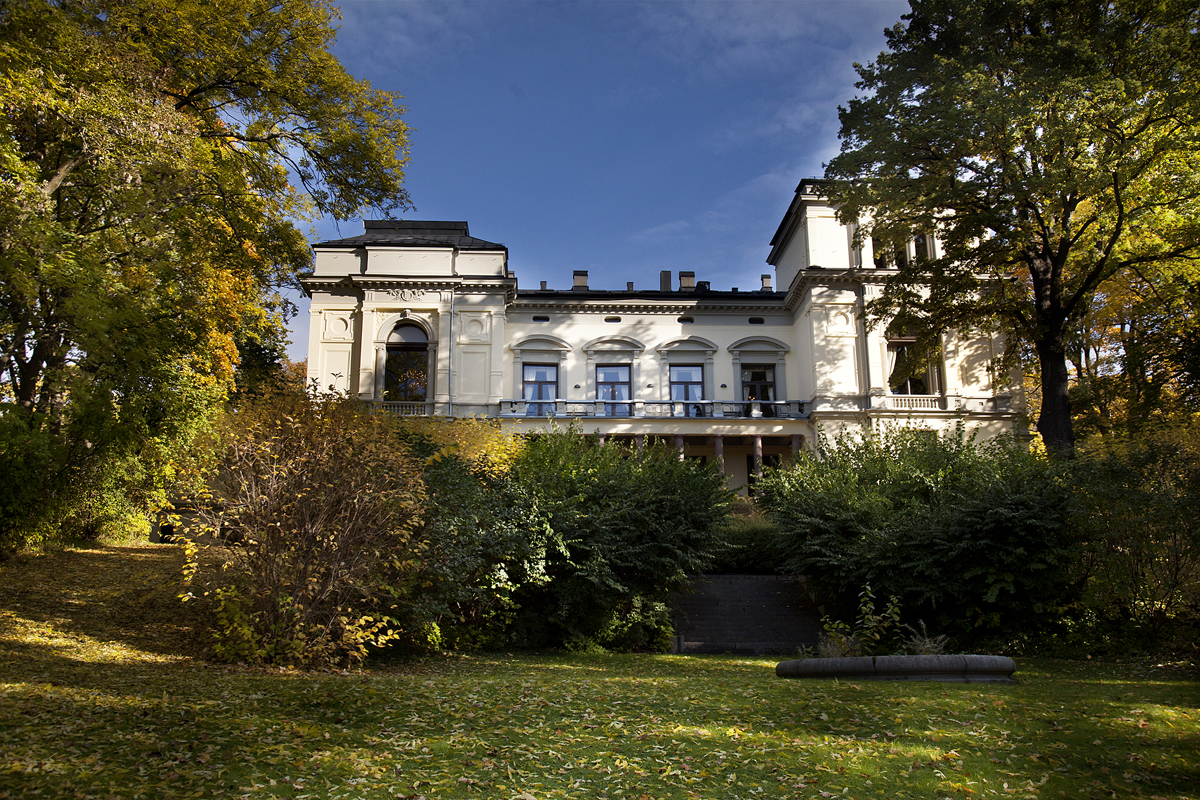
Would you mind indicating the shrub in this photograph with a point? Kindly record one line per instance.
(481, 535)
(318, 499)
(628, 529)
(750, 540)
(972, 536)
(869, 632)
(1136, 507)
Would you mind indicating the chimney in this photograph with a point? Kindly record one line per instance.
(664, 280)
(580, 280)
(543, 286)
(687, 281)
(766, 279)
(629, 286)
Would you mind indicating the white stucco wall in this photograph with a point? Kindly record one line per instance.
(482, 332)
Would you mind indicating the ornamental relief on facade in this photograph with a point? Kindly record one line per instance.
(338, 326)
(407, 296)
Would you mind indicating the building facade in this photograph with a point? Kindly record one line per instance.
(421, 318)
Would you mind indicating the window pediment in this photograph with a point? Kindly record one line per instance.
(542, 342)
(614, 344)
(758, 344)
(687, 345)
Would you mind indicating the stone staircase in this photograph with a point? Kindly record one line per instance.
(745, 614)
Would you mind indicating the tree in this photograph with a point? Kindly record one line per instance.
(153, 155)
(1135, 356)
(1052, 147)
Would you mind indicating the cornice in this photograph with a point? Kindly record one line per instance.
(460, 284)
(806, 279)
(698, 306)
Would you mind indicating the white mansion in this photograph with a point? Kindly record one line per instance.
(423, 318)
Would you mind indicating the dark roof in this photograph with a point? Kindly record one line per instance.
(414, 233)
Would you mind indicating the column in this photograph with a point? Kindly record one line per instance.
(679, 446)
(719, 451)
(758, 468)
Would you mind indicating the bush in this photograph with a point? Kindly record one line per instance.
(971, 536)
(750, 540)
(481, 535)
(628, 528)
(1136, 507)
(318, 499)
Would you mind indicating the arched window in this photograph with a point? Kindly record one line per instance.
(406, 375)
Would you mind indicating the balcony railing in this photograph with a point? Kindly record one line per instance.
(915, 402)
(657, 409)
(406, 409)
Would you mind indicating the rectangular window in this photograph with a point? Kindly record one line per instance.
(924, 378)
(687, 384)
(758, 383)
(612, 385)
(922, 247)
(541, 389)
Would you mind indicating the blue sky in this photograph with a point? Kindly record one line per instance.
(622, 138)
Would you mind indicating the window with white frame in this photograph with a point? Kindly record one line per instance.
(758, 384)
(613, 389)
(406, 368)
(687, 386)
(898, 254)
(906, 377)
(541, 389)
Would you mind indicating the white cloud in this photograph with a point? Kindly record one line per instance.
(667, 231)
(408, 33)
(753, 35)
(804, 50)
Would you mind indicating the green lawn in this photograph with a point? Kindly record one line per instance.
(99, 697)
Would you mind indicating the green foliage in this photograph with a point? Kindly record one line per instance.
(972, 536)
(750, 540)
(90, 663)
(318, 498)
(146, 220)
(1052, 148)
(58, 485)
(1136, 359)
(869, 631)
(628, 528)
(1136, 505)
(480, 539)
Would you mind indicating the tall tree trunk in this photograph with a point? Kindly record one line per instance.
(1054, 421)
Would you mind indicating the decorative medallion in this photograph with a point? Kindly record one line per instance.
(407, 295)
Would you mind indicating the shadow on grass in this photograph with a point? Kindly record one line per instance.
(105, 595)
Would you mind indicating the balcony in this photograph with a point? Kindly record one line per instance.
(916, 402)
(418, 409)
(653, 409)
